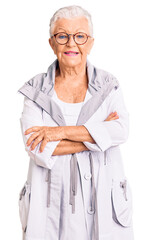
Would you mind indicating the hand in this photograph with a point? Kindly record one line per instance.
(112, 116)
(47, 134)
(44, 134)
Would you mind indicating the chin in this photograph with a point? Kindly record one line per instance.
(72, 62)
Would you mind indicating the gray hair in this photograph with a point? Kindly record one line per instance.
(70, 12)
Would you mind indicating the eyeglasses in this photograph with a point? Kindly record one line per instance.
(79, 38)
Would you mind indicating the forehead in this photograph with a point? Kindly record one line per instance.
(72, 25)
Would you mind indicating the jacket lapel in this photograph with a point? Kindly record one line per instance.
(87, 110)
(41, 88)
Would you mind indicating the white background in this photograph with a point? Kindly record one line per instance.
(122, 47)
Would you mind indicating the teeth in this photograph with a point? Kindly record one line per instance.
(71, 53)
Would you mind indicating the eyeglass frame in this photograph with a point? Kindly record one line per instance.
(54, 35)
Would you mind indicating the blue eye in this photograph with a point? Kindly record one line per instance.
(80, 36)
(62, 36)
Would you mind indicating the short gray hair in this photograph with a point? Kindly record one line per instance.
(70, 12)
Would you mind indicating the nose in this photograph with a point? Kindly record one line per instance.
(71, 41)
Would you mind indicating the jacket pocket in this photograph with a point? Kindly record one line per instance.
(24, 203)
(122, 202)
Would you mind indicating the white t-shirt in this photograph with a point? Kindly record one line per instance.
(70, 111)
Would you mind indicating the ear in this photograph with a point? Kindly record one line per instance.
(50, 40)
(90, 45)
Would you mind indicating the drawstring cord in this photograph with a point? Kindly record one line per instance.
(48, 187)
(73, 181)
(73, 191)
(95, 230)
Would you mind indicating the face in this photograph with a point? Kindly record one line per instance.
(71, 26)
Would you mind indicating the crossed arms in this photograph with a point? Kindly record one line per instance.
(71, 137)
(44, 142)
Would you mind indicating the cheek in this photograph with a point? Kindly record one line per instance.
(59, 50)
(84, 50)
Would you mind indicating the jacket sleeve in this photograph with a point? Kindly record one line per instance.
(109, 133)
(32, 116)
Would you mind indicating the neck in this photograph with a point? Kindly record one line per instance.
(68, 74)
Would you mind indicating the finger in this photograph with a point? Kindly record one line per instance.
(114, 118)
(36, 142)
(32, 137)
(112, 114)
(109, 117)
(32, 129)
(43, 144)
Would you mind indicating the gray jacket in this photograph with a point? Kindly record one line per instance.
(110, 194)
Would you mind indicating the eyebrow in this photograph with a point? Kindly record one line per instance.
(65, 30)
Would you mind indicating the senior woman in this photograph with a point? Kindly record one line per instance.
(73, 121)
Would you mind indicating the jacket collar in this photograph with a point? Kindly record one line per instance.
(40, 89)
(49, 79)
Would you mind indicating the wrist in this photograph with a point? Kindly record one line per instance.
(63, 132)
(68, 132)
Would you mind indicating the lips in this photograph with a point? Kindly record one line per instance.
(71, 53)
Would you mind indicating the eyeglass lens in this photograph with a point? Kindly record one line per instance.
(79, 38)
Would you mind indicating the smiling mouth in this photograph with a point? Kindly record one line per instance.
(71, 53)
